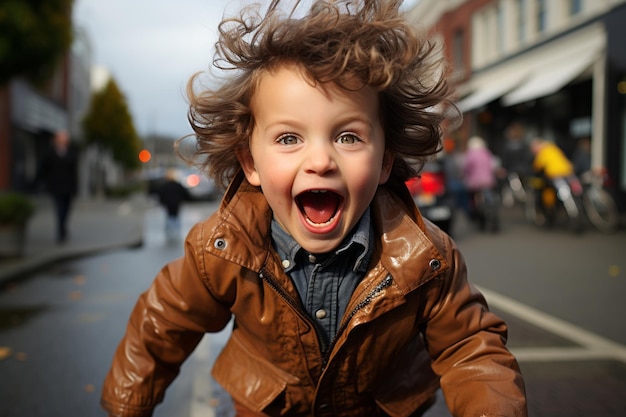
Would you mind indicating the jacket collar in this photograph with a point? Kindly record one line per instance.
(402, 243)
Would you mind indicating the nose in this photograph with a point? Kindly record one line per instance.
(320, 159)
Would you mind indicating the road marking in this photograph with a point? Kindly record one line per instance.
(592, 345)
(202, 390)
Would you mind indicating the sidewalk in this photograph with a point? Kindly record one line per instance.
(95, 225)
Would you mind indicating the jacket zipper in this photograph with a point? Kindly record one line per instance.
(265, 276)
(326, 350)
(368, 299)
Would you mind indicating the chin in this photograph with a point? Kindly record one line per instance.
(321, 247)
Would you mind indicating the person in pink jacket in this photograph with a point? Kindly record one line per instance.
(479, 176)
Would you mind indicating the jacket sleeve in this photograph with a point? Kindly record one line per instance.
(479, 376)
(165, 326)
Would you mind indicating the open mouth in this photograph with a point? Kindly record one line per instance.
(319, 207)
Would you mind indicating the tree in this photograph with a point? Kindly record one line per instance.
(109, 124)
(34, 35)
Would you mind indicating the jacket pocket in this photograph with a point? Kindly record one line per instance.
(248, 377)
(409, 386)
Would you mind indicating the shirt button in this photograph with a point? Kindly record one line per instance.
(286, 263)
(320, 314)
(312, 258)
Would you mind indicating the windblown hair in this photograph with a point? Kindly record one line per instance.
(353, 43)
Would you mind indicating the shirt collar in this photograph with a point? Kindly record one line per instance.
(355, 245)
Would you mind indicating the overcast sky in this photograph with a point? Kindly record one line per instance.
(151, 48)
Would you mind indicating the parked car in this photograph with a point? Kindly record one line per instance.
(430, 193)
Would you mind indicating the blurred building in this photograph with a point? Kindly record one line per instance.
(557, 67)
(30, 115)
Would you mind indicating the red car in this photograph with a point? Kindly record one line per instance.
(430, 193)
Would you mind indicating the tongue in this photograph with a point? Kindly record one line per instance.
(319, 207)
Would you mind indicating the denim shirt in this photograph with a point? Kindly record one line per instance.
(325, 282)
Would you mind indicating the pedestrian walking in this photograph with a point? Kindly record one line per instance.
(516, 154)
(59, 172)
(452, 159)
(479, 175)
(171, 195)
(345, 300)
(515, 166)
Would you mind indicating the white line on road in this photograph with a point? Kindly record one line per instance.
(202, 391)
(590, 347)
(595, 346)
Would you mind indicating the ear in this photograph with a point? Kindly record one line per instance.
(385, 172)
(247, 164)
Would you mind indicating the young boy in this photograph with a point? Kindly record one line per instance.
(346, 302)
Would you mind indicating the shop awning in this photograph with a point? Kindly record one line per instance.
(538, 72)
(496, 88)
(551, 78)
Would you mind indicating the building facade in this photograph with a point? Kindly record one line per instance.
(29, 115)
(555, 67)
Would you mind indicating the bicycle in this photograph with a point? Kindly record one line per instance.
(546, 198)
(599, 205)
(512, 191)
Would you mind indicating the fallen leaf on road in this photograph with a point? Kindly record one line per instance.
(90, 317)
(5, 352)
(75, 295)
(79, 279)
(21, 356)
(614, 271)
(90, 388)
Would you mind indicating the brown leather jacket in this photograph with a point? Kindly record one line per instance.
(412, 314)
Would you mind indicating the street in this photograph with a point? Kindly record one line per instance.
(562, 295)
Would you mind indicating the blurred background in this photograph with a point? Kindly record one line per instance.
(552, 68)
(113, 74)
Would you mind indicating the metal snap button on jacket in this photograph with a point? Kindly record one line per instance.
(434, 264)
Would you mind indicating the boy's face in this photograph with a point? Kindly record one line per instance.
(318, 153)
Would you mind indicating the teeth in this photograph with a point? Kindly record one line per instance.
(318, 191)
(311, 222)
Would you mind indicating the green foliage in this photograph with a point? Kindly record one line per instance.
(109, 124)
(15, 208)
(34, 35)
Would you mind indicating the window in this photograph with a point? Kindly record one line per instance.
(521, 20)
(575, 7)
(500, 35)
(457, 50)
(541, 15)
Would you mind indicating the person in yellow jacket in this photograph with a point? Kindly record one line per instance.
(549, 160)
(551, 165)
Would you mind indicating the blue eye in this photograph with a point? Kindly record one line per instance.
(288, 139)
(348, 138)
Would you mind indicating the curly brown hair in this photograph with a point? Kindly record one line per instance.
(353, 43)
